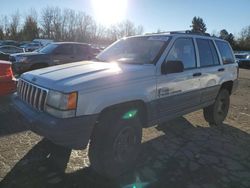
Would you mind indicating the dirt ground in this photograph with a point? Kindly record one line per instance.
(185, 152)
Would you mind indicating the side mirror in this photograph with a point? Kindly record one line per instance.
(172, 67)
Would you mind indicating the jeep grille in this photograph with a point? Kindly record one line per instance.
(32, 94)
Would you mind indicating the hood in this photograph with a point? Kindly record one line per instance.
(87, 75)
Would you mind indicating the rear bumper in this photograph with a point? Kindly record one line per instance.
(71, 132)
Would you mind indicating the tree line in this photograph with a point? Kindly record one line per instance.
(70, 25)
(63, 25)
(242, 43)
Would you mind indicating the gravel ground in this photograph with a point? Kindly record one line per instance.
(185, 152)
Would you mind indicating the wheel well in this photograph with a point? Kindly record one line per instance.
(228, 85)
(138, 104)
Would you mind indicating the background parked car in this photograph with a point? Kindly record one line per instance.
(52, 54)
(9, 42)
(23, 43)
(6, 51)
(243, 59)
(43, 42)
(31, 46)
(7, 80)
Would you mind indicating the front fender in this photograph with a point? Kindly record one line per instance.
(95, 102)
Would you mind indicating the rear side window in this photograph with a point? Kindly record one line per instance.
(183, 50)
(207, 53)
(82, 49)
(225, 51)
(65, 49)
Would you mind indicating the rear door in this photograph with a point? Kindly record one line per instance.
(179, 92)
(228, 60)
(211, 69)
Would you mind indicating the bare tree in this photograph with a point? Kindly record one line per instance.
(6, 27)
(139, 30)
(64, 25)
(47, 21)
(85, 27)
(57, 23)
(14, 25)
(30, 29)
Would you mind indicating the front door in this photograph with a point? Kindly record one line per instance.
(178, 92)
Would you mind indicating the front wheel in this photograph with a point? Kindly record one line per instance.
(115, 145)
(216, 113)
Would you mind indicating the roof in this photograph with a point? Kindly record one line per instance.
(5, 62)
(180, 33)
(70, 43)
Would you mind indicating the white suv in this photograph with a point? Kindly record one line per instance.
(137, 82)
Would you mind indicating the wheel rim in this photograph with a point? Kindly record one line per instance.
(125, 144)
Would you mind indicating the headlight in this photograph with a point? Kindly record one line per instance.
(21, 59)
(61, 105)
(248, 57)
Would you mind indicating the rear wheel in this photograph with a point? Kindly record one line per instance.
(115, 144)
(216, 113)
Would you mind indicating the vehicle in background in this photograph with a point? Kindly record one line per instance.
(243, 59)
(23, 43)
(7, 80)
(6, 51)
(43, 42)
(30, 47)
(53, 54)
(95, 50)
(9, 42)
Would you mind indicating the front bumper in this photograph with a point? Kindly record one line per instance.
(20, 67)
(71, 132)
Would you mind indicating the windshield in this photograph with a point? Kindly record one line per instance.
(48, 49)
(137, 50)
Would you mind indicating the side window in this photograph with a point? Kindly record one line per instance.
(81, 49)
(65, 49)
(207, 53)
(225, 51)
(183, 50)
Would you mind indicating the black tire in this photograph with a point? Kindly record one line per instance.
(115, 144)
(216, 113)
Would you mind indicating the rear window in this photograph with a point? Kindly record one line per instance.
(226, 52)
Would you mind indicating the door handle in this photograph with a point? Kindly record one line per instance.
(221, 69)
(197, 74)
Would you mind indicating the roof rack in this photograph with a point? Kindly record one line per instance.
(184, 32)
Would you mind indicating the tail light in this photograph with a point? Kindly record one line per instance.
(6, 71)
